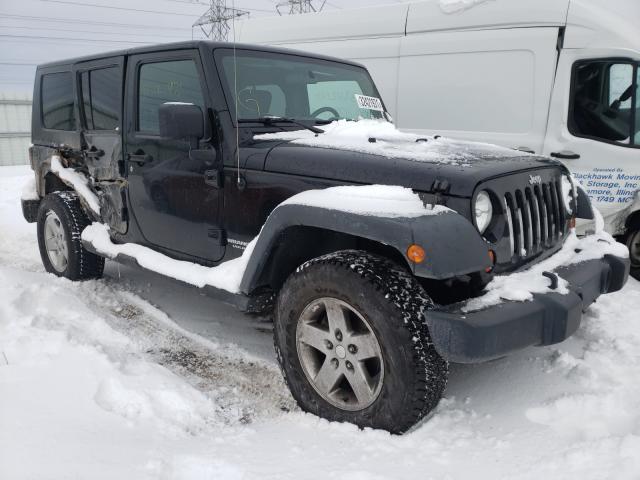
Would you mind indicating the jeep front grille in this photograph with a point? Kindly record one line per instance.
(535, 217)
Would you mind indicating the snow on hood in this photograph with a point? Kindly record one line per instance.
(369, 200)
(392, 143)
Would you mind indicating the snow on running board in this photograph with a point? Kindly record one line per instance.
(78, 181)
(370, 200)
(226, 276)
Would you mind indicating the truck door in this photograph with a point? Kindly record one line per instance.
(100, 86)
(174, 204)
(593, 128)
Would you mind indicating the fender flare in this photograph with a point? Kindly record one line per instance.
(452, 244)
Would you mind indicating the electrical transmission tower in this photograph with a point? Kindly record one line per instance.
(215, 22)
(298, 6)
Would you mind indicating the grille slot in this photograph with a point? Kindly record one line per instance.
(535, 218)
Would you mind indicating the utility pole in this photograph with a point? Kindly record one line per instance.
(214, 23)
(298, 6)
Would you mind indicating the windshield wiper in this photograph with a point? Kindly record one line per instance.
(272, 120)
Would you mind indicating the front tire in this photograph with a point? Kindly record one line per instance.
(353, 345)
(60, 224)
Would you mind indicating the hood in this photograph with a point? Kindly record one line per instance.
(371, 152)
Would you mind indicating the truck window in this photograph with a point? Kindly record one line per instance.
(338, 95)
(604, 96)
(162, 82)
(57, 103)
(101, 98)
(294, 86)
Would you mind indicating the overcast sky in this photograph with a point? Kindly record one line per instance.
(38, 31)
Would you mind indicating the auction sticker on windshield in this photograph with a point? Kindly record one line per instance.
(369, 103)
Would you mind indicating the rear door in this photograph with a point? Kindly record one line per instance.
(175, 208)
(100, 86)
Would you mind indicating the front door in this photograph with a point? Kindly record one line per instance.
(594, 128)
(175, 208)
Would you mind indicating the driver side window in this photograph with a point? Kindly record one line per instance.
(604, 103)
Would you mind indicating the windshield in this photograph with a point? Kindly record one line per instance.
(295, 87)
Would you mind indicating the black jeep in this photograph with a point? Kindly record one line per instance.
(182, 154)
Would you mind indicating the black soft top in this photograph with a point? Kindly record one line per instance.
(206, 44)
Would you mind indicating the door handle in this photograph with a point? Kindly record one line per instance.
(93, 152)
(140, 157)
(565, 155)
(213, 178)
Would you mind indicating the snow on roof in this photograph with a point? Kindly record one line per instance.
(378, 137)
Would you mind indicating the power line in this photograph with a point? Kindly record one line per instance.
(94, 32)
(40, 37)
(98, 5)
(88, 22)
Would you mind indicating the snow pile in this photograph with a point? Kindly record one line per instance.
(390, 142)
(521, 286)
(226, 276)
(369, 200)
(99, 384)
(29, 191)
(79, 182)
(455, 6)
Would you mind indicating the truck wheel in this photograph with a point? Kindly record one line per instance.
(353, 345)
(633, 244)
(60, 224)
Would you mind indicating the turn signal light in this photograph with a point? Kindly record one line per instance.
(492, 257)
(572, 222)
(416, 253)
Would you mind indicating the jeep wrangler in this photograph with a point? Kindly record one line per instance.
(275, 180)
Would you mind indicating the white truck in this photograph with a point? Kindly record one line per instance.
(557, 77)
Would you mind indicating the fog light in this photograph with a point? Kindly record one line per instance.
(416, 253)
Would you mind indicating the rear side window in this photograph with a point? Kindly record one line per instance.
(164, 82)
(101, 98)
(604, 103)
(57, 101)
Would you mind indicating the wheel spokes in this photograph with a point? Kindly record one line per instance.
(313, 336)
(336, 316)
(327, 377)
(361, 383)
(366, 346)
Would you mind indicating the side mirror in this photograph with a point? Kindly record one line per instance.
(181, 121)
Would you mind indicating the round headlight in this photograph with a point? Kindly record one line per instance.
(567, 193)
(483, 210)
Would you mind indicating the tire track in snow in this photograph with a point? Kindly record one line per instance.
(245, 388)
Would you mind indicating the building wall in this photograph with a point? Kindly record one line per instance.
(15, 129)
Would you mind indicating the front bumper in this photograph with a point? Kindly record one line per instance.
(547, 319)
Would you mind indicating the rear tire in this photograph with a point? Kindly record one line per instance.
(381, 308)
(60, 224)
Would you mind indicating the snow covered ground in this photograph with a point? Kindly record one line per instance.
(135, 376)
